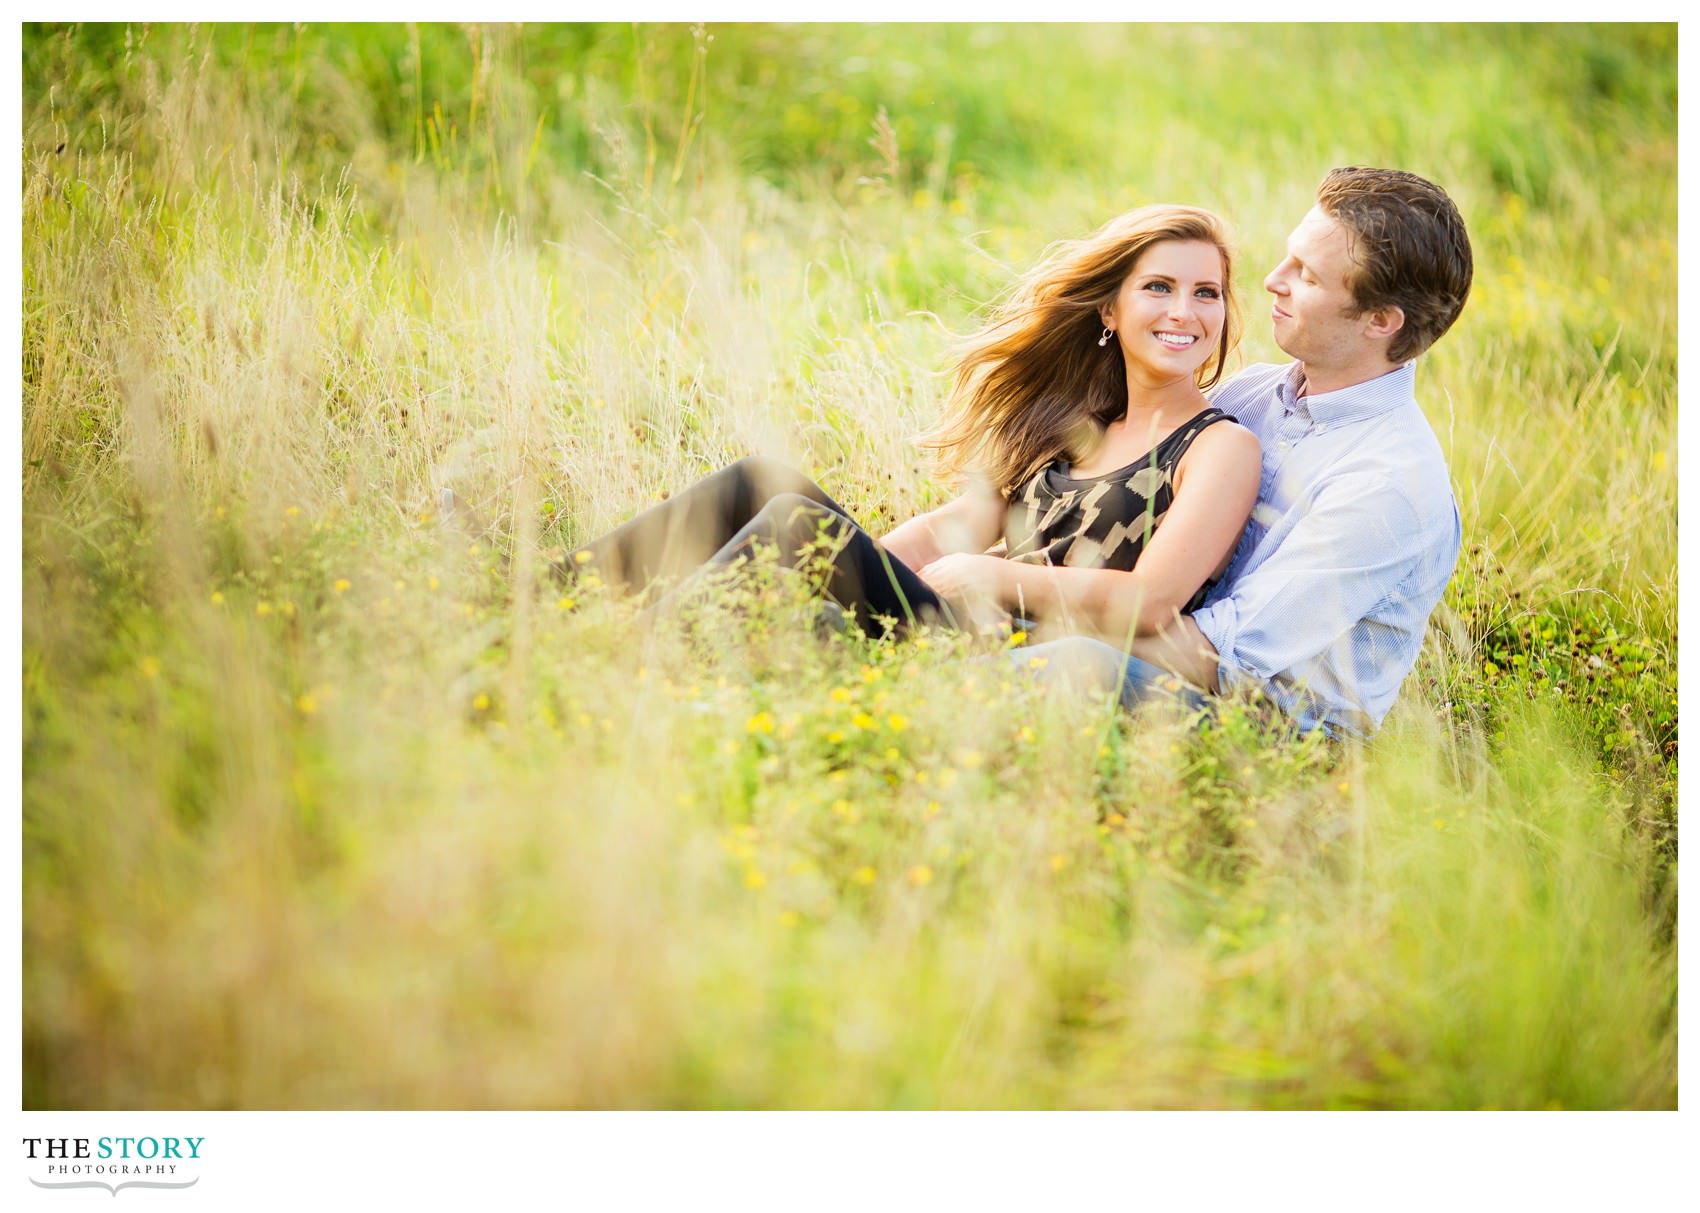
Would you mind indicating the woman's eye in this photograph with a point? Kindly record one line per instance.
(1209, 292)
(1157, 286)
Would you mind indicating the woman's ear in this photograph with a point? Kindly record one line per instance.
(1107, 314)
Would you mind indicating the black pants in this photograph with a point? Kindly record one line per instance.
(718, 520)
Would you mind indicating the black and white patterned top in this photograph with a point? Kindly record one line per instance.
(1101, 522)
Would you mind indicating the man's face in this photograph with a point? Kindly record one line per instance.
(1313, 305)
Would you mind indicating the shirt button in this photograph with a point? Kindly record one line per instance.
(1321, 427)
(1281, 445)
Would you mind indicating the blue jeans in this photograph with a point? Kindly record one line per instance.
(1092, 667)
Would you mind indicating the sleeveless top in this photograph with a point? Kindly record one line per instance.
(1101, 521)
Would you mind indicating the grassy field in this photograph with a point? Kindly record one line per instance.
(333, 801)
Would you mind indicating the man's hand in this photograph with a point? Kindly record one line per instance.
(1181, 648)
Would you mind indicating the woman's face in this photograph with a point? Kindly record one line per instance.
(1169, 312)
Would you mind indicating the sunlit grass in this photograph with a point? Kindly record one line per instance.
(333, 798)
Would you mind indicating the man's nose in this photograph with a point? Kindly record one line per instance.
(1276, 282)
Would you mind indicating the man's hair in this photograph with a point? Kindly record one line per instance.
(1409, 250)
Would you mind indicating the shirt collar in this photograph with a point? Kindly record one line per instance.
(1359, 402)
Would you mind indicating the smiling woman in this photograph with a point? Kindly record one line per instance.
(1070, 448)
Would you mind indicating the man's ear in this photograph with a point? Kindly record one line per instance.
(1384, 322)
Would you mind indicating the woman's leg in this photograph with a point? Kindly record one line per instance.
(675, 538)
(863, 577)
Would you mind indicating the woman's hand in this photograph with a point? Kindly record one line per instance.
(973, 584)
(965, 576)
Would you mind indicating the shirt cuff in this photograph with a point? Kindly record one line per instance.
(1220, 624)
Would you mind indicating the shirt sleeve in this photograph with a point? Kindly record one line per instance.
(1358, 543)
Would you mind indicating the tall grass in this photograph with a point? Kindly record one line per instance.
(332, 799)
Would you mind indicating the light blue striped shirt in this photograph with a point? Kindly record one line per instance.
(1349, 548)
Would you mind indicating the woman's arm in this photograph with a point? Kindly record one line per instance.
(1215, 488)
(971, 523)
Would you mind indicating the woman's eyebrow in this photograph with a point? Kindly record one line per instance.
(1167, 278)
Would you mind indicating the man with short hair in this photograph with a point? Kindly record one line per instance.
(1355, 532)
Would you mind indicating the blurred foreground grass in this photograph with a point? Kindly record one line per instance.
(332, 801)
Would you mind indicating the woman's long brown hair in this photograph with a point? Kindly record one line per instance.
(1034, 385)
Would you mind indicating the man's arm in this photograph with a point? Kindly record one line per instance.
(1352, 552)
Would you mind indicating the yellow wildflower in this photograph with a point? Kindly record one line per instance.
(754, 878)
(150, 667)
(217, 598)
(1038, 663)
(581, 557)
(481, 703)
(432, 583)
(864, 875)
(262, 609)
(840, 695)
(564, 604)
(897, 722)
(787, 918)
(761, 722)
(306, 705)
(292, 511)
(862, 720)
(341, 585)
(920, 874)
(1059, 861)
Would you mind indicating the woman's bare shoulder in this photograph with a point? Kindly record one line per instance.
(1227, 440)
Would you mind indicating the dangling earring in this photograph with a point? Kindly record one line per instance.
(1105, 339)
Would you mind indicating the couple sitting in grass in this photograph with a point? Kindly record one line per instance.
(1289, 533)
